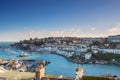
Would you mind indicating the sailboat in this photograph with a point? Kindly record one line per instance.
(23, 54)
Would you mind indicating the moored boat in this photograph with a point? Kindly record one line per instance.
(23, 54)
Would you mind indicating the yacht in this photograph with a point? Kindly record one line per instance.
(23, 54)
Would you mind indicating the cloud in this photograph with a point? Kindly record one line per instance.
(21, 35)
(75, 32)
(70, 32)
(55, 33)
(114, 30)
(93, 28)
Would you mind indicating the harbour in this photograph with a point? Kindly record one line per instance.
(60, 40)
(59, 65)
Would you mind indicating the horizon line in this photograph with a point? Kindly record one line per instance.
(56, 37)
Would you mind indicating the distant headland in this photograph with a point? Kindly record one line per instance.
(101, 50)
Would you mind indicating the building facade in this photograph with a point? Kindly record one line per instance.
(115, 39)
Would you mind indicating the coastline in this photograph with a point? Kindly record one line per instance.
(48, 52)
(69, 59)
(55, 53)
(79, 63)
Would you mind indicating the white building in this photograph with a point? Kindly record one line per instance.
(115, 38)
(88, 56)
(114, 51)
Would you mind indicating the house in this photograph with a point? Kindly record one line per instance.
(115, 39)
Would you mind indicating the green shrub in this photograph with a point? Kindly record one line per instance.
(94, 78)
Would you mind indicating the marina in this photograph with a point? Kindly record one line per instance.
(60, 65)
(60, 40)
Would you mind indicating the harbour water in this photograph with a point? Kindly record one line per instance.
(61, 66)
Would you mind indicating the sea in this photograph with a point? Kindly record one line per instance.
(60, 65)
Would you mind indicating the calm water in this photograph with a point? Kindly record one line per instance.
(60, 65)
(6, 43)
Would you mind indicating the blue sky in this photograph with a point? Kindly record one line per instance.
(22, 19)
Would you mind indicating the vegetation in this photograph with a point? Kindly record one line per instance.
(26, 41)
(94, 78)
(35, 44)
(112, 45)
(96, 43)
(106, 57)
(38, 43)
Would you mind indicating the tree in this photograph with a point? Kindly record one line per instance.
(96, 43)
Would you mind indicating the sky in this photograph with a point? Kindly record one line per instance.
(24, 19)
